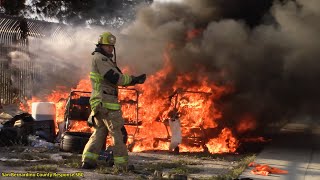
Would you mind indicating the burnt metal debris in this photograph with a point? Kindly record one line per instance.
(17, 129)
(200, 136)
(78, 109)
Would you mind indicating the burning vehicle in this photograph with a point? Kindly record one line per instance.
(183, 118)
(74, 132)
(194, 132)
(221, 75)
(176, 109)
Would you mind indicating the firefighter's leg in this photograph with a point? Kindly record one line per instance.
(114, 123)
(97, 140)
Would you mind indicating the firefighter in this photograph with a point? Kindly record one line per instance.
(106, 112)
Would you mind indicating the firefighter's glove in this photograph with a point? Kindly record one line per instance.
(138, 79)
(141, 79)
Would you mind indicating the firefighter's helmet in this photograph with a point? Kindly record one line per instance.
(107, 38)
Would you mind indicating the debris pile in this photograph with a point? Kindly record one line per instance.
(17, 127)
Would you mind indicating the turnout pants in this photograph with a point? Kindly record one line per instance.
(112, 121)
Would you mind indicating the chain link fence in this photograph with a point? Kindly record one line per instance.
(18, 71)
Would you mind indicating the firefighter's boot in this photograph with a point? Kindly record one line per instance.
(88, 166)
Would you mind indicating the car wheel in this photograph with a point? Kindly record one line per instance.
(74, 141)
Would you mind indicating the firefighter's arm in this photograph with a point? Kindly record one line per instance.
(120, 79)
(117, 78)
(111, 74)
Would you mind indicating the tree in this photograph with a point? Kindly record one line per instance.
(95, 12)
(12, 7)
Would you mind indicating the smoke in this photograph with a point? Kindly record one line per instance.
(14, 70)
(59, 56)
(268, 51)
(64, 62)
(270, 60)
(57, 61)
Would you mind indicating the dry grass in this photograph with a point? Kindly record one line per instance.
(112, 170)
(237, 170)
(188, 162)
(29, 156)
(180, 167)
(24, 159)
(43, 168)
(14, 163)
(104, 170)
(183, 166)
(73, 161)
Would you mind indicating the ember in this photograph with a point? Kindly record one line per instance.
(193, 33)
(247, 122)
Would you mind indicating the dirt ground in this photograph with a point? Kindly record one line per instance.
(33, 161)
(18, 160)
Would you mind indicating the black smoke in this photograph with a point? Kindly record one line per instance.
(267, 50)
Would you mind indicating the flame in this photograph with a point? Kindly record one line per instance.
(59, 96)
(193, 34)
(149, 106)
(224, 143)
(84, 85)
(194, 104)
(246, 123)
(80, 126)
(28, 104)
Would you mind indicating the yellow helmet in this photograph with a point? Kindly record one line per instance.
(107, 38)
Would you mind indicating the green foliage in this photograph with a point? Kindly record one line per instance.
(94, 12)
(13, 7)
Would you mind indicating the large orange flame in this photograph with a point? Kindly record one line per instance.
(193, 102)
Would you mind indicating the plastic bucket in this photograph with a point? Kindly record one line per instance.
(42, 111)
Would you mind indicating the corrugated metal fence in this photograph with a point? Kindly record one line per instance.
(17, 69)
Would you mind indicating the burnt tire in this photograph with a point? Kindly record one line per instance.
(74, 141)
